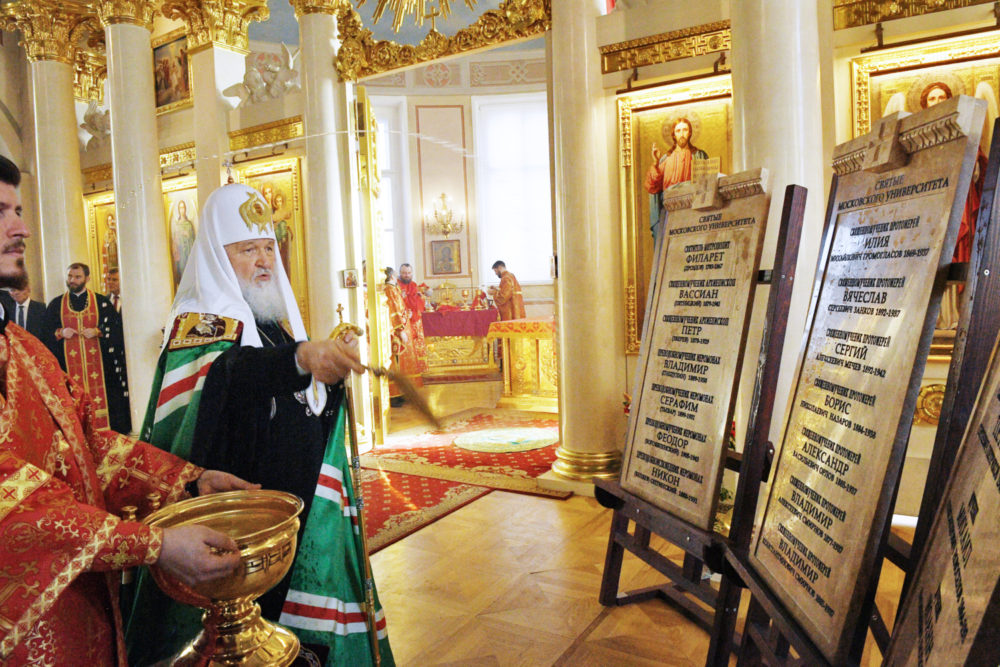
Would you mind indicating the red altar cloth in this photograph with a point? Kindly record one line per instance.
(459, 322)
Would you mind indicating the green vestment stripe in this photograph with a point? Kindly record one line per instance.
(325, 604)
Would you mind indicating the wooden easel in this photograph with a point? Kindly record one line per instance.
(770, 630)
(685, 587)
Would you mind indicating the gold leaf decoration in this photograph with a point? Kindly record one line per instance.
(361, 56)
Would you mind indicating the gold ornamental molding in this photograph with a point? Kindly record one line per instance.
(929, 403)
(90, 70)
(168, 157)
(216, 22)
(361, 56)
(49, 30)
(177, 154)
(134, 12)
(303, 7)
(666, 46)
(98, 174)
(854, 13)
(268, 133)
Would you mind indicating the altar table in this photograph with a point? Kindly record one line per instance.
(456, 342)
(530, 368)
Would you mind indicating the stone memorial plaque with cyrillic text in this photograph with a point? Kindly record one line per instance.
(691, 355)
(895, 215)
(960, 570)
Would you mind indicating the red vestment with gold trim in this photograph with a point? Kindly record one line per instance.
(62, 481)
(404, 356)
(84, 362)
(508, 298)
(415, 306)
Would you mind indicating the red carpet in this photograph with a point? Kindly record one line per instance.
(430, 453)
(397, 505)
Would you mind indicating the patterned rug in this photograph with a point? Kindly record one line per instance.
(397, 505)
(432, 453)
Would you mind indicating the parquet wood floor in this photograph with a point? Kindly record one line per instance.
(513, 580)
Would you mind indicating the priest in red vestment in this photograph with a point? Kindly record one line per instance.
(404, 357)
(508, 297)
(63, 480)
(413, 296)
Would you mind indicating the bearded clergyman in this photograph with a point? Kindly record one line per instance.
(239, 384)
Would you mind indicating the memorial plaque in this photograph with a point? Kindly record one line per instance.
(692, 346)
(894, 217)
(959, 572)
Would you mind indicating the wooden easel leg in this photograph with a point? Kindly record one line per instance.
(693, 568)
(613, 560)
(750, 653)
(642, 534)
(724, 627)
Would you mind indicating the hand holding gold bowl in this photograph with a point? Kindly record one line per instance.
(264, 526)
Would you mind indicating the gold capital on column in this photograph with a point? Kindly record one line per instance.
(219, 22)
(136, 12)
(303, 7)
(49, 29)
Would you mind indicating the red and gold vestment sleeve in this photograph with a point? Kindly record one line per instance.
(397, 308)
(48, 538)
(129, 469)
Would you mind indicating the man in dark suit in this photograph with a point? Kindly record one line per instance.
(114, 289)
(27, 313)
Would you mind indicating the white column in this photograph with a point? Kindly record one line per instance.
(333, 242)
(589, 291)
(142, 238)
(59, 180)
(778, 111)
(334, 233)
(214, 68)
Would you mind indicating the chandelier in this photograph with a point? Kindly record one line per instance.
(443, 219)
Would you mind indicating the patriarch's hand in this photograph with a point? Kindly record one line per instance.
(216, 481)
(330, 361)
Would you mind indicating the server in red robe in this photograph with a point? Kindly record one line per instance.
(63, 480)
(83, 330)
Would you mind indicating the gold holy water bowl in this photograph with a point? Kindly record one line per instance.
(265, 526)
